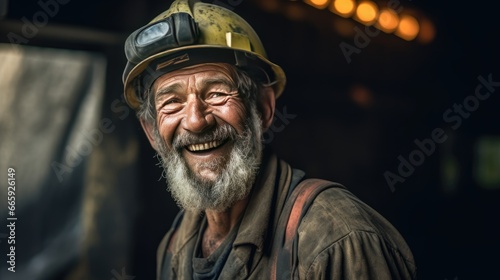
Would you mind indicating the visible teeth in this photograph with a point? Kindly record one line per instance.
(203, 146)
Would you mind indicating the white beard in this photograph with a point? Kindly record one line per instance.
(235, 178)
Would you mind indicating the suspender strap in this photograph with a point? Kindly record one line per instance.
(284, 252)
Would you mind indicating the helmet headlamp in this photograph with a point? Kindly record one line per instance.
(177, 30)
(152, 34)
(193, 32)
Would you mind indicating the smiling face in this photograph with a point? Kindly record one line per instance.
(191, 105)
(207, 134)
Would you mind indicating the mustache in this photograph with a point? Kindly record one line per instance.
(219, 133)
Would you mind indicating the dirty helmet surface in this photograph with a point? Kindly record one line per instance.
(191, 32)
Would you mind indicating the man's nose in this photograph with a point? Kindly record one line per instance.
(198, 117)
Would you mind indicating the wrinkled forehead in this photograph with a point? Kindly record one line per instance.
(198, 73)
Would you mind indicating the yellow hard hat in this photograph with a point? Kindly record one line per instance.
(191, 32)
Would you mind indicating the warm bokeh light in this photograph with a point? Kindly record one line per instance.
(427, 31)
(270, 6)
(367, 12)
(388, 20)
(408, 27)
(343, 8)
(294, 12)
(344, 27)
(320, 4)
(362, 96)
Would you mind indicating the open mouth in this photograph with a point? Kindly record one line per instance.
(203, 147)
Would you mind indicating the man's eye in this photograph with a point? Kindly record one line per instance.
(171, 105)
(171, 101)
(217, 94)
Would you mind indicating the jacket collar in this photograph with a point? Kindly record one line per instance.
(267, 197)
(259, 218)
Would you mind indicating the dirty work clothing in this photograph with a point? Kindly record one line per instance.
(340, 237)
(210, 267)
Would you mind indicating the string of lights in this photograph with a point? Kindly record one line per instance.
(387, 16)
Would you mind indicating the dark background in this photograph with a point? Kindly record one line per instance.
(351, 120)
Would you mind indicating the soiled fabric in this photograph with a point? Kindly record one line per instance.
(209, 268)
(340, 237)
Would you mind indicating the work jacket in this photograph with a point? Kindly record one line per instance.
(340, 237)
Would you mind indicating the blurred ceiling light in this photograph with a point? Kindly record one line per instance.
(427, 31)
(294, 12)
(320, 4)
(362, 96)
(367, 12)
(343, 8)
(344, 27)
(270, 6)
(408, 28)
(388, 20)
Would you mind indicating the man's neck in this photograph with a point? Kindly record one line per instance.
(219, 224)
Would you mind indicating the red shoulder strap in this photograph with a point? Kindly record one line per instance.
(284, 251)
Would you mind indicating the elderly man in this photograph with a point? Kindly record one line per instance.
(204, 92)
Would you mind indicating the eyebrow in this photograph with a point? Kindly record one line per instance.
(215, 81)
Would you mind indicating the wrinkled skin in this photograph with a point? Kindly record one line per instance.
(201, 116)
(197, 100)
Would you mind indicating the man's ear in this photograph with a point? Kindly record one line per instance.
(267, 103)
(148, 129)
